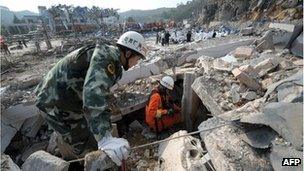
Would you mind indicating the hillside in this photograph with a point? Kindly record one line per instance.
(144, 15)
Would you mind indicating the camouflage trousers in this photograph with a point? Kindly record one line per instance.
(75, 138)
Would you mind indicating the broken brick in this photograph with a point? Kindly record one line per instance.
(265, 66)
(243, 52)
(246, 79)
(266, 82)
(249, 70)
(298, 62)
(286, 64)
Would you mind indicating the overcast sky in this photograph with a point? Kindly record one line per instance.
(123, 5)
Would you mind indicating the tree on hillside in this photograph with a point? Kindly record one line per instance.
(191, 9)
(130, 20)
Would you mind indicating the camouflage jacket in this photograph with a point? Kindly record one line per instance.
(80, 82)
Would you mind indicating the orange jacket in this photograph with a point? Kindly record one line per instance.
(155, 105)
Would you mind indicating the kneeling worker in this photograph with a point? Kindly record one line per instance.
(161, 113)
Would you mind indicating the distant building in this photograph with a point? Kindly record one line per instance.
(17, 22)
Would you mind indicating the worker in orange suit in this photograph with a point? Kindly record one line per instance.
(161, 113)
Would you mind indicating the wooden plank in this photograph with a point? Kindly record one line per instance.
(128, 110)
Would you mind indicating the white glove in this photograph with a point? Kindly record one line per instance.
(116, 148)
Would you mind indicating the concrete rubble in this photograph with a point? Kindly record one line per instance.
(268, 115)
(7, 164)
(239, 82)
(42, 160)
(182, 154)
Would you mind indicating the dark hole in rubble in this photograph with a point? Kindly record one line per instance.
(139, 115)
(193, 153)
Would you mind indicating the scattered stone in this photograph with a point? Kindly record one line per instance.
(265, 42)
(204, 63)
(266, 82)
(250, 95)
(247, 31)
(42, 160)
(235, 96)
(246, 79)
(243, 52)
(98, 160)
(296, 79)
(7, 164)
(298, 62)
(249, 70)
(290, 92)
(222, 65)
(142, 165)
(265, 66)
(284, 64)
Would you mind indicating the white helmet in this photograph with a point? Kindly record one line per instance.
(133, 41)
(167, 82)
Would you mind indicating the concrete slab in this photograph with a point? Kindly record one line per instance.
(243, 52)
(154, 67)
(284, 118)
(203, 89)
(227, 149)
(246, 79)
(220, 50)
(12, 120)
(42, 160)
(32, 125)
(297, 46)
(283, 26)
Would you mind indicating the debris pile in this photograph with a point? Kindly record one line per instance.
(261, 100)
(250, 88)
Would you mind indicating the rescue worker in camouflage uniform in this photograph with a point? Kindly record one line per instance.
(75, 96)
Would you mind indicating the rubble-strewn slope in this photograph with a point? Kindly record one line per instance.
(234, 10)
